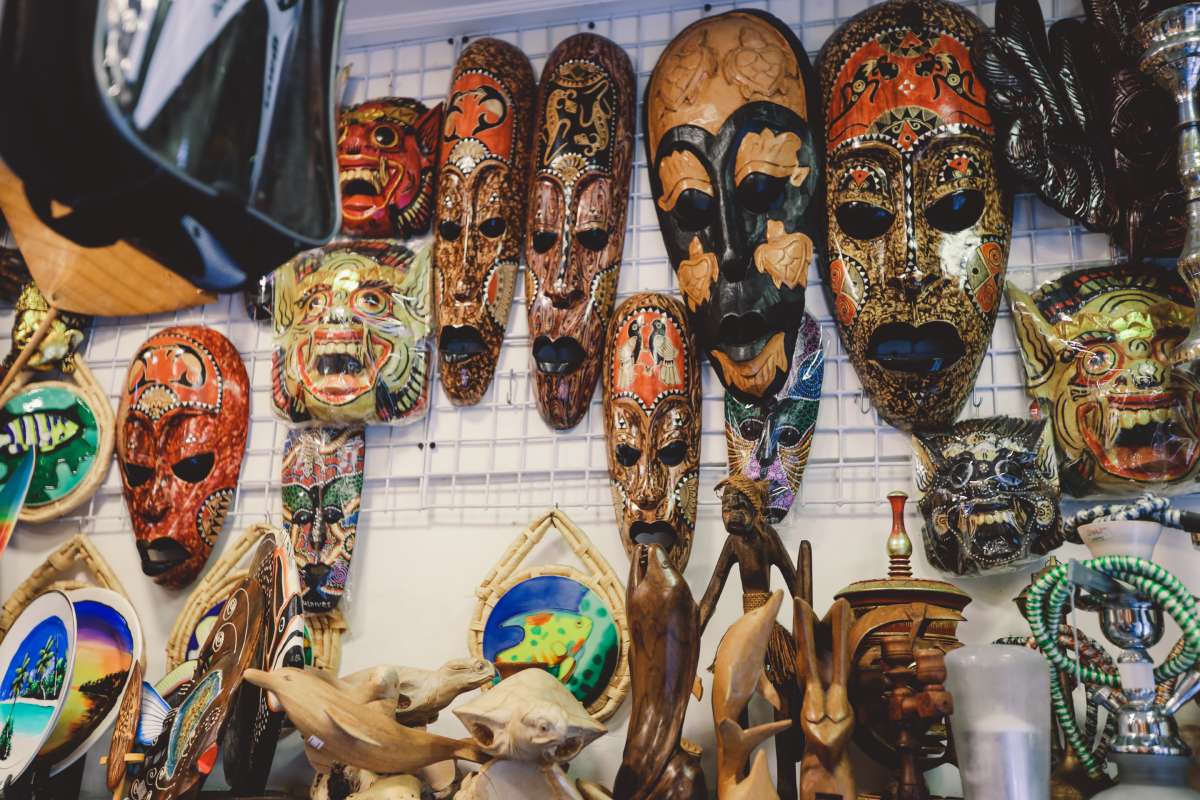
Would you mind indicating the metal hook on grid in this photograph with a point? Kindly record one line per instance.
(864, 403)
(512, 379)
(976, 399)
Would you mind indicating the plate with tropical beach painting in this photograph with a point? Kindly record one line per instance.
(108, 640)
(36, 659)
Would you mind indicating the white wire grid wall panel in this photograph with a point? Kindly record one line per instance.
(468, 463)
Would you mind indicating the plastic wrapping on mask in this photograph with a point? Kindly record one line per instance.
(1096, 346)
(353, 323)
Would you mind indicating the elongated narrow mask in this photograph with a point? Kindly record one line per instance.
(582, 157)
(479, 226)
(735, 174)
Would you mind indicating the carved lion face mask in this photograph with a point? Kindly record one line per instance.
(480, 214)
(652, 424)
(582, 156)
(181, 434)
(990, 494)
(1096, 347)
(735, 175)
(322, 481)
(387, 156)
(770, 440)
(352, 322)
(918, 225)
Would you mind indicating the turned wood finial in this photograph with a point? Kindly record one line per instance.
(899, 546)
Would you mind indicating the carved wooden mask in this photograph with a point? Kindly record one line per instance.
(480, 214)
(181, 434)
(322, 481)
(770, 440)
(352, 324)
(919, 227)
(1096, 345)
(582, 156)
(735, 177)
(387, 159)
(652, 424)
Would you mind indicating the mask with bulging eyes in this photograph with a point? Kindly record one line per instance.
(387, 160)
(582, 158)
(770, 440)
(918, 224)
(321, 481)
(480, 216)
(181, 434)
(652, 424)
(735, 176)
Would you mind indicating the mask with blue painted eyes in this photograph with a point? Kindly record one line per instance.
(918, 225)
(735, 177)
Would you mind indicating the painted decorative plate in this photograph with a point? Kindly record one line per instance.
(36, 659)
(58, 419)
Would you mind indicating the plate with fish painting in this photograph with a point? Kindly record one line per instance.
(108, 641)
(36, 662)
(60, 421)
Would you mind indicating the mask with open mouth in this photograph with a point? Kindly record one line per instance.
(1096, 345)
(582, 157)
(990, 494)
(735, 177)
(919, 225)
(770, 440)
(652, 424)
(352, 323)
(181, 434)
(480, 215)
(322, 480)
(387, 157)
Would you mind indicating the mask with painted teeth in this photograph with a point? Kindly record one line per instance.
(352, 322)
(1096, 346)
(991, 494)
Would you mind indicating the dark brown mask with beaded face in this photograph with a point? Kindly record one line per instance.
(480, 216)
(918, 225)
(582, 156)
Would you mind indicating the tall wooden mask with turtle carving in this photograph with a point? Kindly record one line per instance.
(480, 215)
(582, 156)
(919, 226)
(735, 173)
(652, 424)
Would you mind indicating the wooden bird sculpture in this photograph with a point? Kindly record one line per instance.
(826, 716)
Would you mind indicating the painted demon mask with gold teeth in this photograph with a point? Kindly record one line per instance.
(735, 174)
(479, 225)
(918, 224)
(1096, 345)
(991, 494)
(352, 323)
(387, 159)
(181, 434)
(582, 157)
(652, 424)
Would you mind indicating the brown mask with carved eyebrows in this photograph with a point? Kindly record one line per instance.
(918, 225)
(652, 424)
(735, 177)
(582, 157)
(479, 224)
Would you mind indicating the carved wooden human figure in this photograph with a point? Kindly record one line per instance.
(916, 699)
(755, 547)
(918, 224)
(582, 157)
(826, 716)
(735, 173)
(479, 221)
(652, 424)
(181, 434)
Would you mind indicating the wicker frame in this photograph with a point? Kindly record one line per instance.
(600, 578)
(85, 385)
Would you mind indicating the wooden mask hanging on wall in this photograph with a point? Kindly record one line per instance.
(387, 160)
(652, 424)
(479, 227)
(181, 435)
(918, 224)
(582, 157)
(735, 174)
